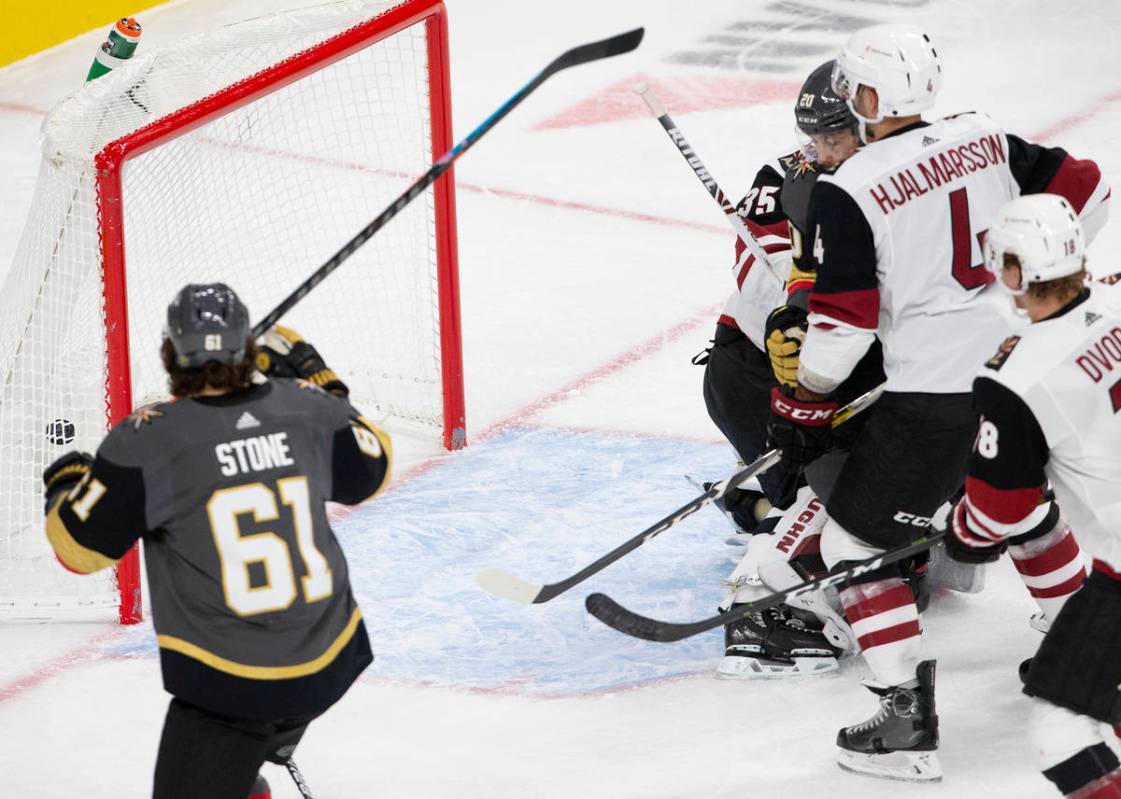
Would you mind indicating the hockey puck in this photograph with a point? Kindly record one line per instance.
(60, 431)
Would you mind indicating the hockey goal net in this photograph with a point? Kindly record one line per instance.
(247, 155)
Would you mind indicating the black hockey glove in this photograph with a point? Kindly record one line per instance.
(284, 353)
(65, 473)
(960, 545)
(786, 330)
(802, 429)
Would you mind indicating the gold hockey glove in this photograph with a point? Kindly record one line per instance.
(786, 330)
(282, 352)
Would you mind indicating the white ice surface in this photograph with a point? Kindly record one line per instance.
(584, 412)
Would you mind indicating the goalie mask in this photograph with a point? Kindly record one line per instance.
(1043, 233)
(898, 61)
(207, 322)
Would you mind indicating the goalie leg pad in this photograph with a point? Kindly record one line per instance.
(1078, 665)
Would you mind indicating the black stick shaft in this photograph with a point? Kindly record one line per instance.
(614, 615)
(508, 586)
(760, 464)
(616, 45)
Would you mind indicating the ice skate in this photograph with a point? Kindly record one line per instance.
(777, 642)
(900, 741)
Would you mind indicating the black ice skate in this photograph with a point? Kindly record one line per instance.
(777, 642)
(900, 742)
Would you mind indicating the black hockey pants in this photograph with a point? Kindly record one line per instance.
(203, 754)
(737, 391)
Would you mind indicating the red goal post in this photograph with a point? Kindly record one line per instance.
(254, 182)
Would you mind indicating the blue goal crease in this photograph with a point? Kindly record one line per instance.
(540, 503)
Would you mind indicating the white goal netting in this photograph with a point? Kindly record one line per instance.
(257, 193)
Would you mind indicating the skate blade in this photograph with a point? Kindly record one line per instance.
(738, 667)
(904, 766)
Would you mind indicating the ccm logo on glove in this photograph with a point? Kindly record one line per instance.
(811, 417)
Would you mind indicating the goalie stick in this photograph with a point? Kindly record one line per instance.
(614, 615)
(593, 51)
(503, 584)
(706, 179)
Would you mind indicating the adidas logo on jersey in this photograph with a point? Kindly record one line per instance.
(1092, 317)
(927, 141)
(247, 420)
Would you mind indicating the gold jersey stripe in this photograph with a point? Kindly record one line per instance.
(800, 276)
(217, 663)
(387, 448)
(72, 554)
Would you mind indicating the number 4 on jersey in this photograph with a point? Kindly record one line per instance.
(968, 274)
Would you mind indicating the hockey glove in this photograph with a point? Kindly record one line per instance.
(284, 353)
(65, 473)
(961, 545)
(786, 330)
(802, 429)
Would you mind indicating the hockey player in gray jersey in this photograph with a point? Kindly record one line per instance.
(257, 628)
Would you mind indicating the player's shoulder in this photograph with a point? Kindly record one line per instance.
(773, 170)
(787, 160)
(797, 187)
(149, 428)
(1029, 357)
(303, 396)
(965, 121)
(882, 160)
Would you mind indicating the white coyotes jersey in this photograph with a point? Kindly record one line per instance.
(1067, 371)
(759, 290)
(928, 195)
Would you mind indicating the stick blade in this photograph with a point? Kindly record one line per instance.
(605, 48)
(508, 586)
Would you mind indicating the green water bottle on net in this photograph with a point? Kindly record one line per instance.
(118, 48)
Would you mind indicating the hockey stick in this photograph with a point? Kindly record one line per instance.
(706, 178)
(614, 615)
(298, 778)
(508, 586)
(616, 45)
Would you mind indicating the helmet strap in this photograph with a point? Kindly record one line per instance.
(862, 122)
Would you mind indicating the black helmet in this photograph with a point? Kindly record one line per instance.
(207, 322)
(819, 109)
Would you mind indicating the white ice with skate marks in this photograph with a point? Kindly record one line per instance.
(473, 698)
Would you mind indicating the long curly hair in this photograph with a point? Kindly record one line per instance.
(187, 382)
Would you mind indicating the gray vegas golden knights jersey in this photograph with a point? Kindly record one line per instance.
(250, 596)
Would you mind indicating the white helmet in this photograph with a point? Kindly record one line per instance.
(898, 61)
(1044, 234)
